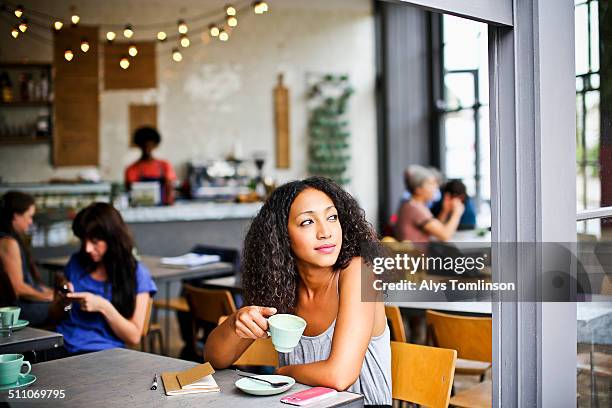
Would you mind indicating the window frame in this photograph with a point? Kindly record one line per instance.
(532, 116)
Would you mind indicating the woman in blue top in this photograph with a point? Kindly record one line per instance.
(110, 290)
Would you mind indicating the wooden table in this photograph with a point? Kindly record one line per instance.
(161, 274)
(30, 339)
(122, 378)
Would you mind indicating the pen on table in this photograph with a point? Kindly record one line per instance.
(154, 385)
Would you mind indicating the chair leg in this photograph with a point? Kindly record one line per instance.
(482, 377)
(161, 342)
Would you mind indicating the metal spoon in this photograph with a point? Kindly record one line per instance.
(274, 384)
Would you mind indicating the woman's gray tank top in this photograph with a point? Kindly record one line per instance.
(374, 381)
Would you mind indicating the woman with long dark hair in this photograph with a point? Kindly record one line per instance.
(303, 255)
(16, 214)
(110, 289)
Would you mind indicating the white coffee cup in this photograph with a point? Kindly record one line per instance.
(286, 331)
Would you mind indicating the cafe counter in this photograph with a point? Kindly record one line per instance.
(174, 230)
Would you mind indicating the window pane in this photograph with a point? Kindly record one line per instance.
(582, 40)
(594, 36)
(458, 33)
(459, 90)
(594, 348)
(460, 154)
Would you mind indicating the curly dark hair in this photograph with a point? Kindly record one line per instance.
(270, 276)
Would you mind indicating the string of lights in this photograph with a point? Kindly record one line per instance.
(40, 21)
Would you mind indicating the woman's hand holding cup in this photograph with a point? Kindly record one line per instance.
(250, 322)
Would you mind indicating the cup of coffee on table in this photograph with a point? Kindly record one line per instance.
(10, 368)
(286, 331)
(9, 315)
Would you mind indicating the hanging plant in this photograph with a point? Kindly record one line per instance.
(328, 127)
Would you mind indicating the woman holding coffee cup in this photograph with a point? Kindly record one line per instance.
(109, 288)
(32, 296)
(302, 256)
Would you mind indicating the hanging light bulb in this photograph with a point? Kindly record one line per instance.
(182, 27)
(230, 10)
(68, 55)
(161, 36)
(185, 41)
(84, 45)
(15, 32)
(132, 50)
(128, 32)
(110, 36)
(223, 35)
(232, 21)
(176, 55)
(124, 63)
(58, 25)
(23, 26)
(260, 7)
(75, 17)
(18, 11)
(213, 30)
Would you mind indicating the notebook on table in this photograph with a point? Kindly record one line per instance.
(196, 380)
(189, 260)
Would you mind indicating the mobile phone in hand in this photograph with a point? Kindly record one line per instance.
(65, 289)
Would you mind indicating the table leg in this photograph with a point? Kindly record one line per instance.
(167, 323)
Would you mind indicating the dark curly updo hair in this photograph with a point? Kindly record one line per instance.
(270, 276)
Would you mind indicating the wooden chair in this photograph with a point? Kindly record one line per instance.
(398, 333)
(421, 374)
(150, 329)
(207, 306)
(260, 353)
(472, 337)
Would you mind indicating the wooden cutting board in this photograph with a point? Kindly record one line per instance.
(281, 119)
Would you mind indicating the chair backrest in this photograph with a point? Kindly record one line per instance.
(147, 321)
(606, 285)
(421, 374)
(397, 324)
(260, 353)
(472, 337)
(208, 305)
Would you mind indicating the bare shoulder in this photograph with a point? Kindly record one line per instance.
(352, 273)
(9, 246)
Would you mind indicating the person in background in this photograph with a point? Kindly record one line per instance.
(303, 255)
(35, 299)
(441, 208)
(109, 289)
(415, 221)
(148, 168)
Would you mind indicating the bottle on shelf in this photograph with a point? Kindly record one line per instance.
(23, 87)
(42, 123)
(7, 87)
(44, 87)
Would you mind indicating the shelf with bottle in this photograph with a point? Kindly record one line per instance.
(26, 103)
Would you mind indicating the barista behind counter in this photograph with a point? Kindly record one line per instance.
(150, 169)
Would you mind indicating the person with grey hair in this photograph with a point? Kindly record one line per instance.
(415, 221)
